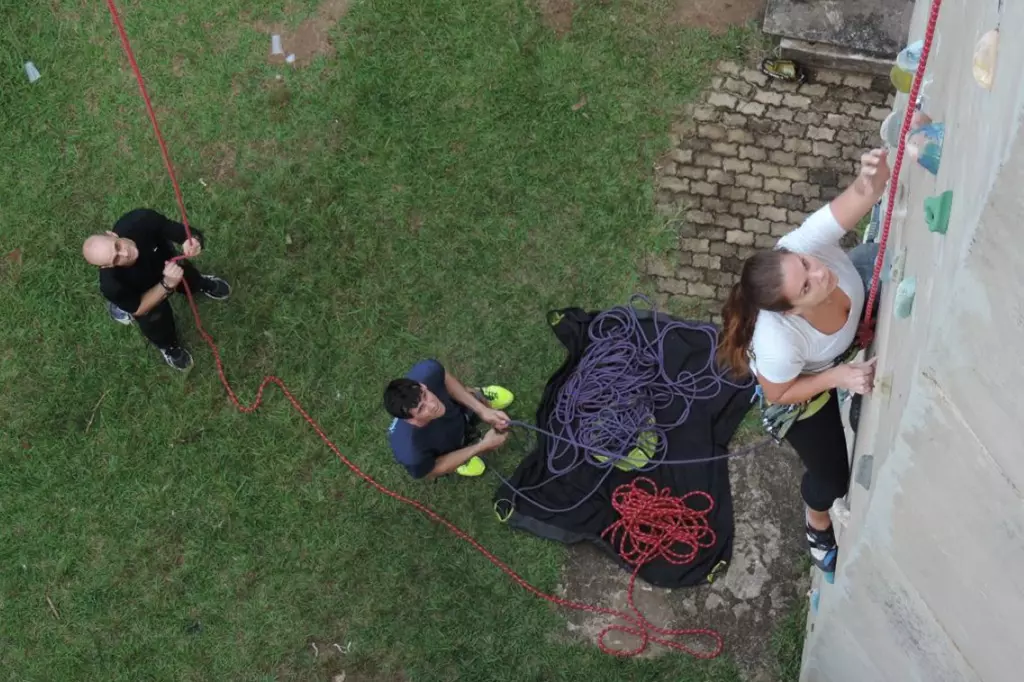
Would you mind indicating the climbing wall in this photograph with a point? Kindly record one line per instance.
(928, 587)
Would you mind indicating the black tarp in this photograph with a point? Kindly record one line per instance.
(705, 433)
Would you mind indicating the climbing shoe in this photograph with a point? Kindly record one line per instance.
(783, 70)
(498, 397)
(474, 467)
(823, 548)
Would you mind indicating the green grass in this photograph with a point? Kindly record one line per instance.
(427, 191)
(787, 642)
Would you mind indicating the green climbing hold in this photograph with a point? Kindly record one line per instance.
(904, 303)
(936, 212)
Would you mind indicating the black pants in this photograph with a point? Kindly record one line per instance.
(821, 443)
(158, 324)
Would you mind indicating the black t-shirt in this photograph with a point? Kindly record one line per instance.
(154, 235)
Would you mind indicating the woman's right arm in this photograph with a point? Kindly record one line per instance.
(850, 207)
(855, 376)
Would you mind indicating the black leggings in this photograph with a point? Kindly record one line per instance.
(821, 443)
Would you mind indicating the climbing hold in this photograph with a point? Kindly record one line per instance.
(910, 57)
(904, 303)
(922, 94)
(892, 266)
(891, 127)
(864, 466)
(901, 80)
(936, 212)
(984, 66)
(883, 386)
(925, 145)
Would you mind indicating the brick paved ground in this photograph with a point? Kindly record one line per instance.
(749, 162)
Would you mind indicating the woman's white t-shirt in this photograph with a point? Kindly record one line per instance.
(786, 346)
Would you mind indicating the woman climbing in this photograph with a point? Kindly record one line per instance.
(789, 321)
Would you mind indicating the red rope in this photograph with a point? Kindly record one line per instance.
(637, 531)
(866, 332)
(653, 524)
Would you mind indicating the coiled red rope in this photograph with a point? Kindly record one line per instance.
(636, 532)
(866, 332)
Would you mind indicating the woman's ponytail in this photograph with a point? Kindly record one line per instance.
(759, 288)
(738, 320)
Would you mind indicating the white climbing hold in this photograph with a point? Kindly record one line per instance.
(904, 303)
(891, 127)
(984, 67)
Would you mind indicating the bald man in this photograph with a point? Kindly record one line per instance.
(137, 277)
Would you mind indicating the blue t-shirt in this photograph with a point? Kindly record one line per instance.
(416, 448)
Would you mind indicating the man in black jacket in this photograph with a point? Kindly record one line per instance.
(137, 276)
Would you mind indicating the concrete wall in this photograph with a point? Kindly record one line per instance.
(930, 584)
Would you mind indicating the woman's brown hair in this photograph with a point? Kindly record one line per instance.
(759, 288)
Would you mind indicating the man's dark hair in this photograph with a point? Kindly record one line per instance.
(401, 397)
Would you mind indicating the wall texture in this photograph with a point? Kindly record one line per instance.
(930, 586)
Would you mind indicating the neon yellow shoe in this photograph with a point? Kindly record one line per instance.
(474, 467)
(498, 397)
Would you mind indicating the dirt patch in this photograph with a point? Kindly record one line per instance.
(744, 604)
(716, 15)
(10, 266)
(221, 160)
(309, 39)
(557, 15)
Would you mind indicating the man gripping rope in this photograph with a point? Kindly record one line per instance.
(434, 430)
(137, 276)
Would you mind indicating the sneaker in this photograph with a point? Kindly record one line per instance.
(823, 548)
(177, 357)
(215, 287)
(498, 397)
(783, 70)
(474, 467)
(118, 315)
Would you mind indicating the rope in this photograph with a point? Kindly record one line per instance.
(866, 332)
(606, 408)
(609, 403)
(636, 624)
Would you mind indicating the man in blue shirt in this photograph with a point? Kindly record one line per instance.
(435, 415)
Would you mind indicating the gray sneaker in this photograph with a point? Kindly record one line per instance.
(177, 357)
(118, 315)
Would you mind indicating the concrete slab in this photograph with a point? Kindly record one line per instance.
(824, 56)
(877, 27)
(767, 576)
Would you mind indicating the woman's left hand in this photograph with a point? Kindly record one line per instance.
(874, 172)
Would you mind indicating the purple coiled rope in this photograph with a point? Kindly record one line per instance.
(609, 403)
